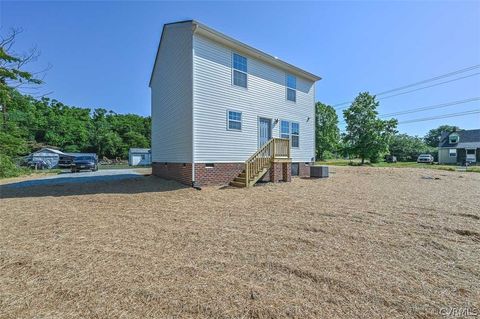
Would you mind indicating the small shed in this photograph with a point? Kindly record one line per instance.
(139, 156)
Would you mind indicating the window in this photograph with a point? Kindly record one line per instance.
(452, 152)
(234, 120)
(209, 165)
(291, 88)
(290, 130)
(453, 138)
(285, 129)
(239, 70)
(142, 156)
(471, 152)
(295, 135)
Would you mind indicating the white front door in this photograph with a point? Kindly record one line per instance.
(264, 130)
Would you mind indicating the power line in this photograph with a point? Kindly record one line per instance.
(426, 108)
(477, 111)
(422, 82)
(430, 107)
(421, 88)
(441, 116)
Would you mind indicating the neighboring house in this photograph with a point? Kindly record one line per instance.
(459, 147)
(139, 156)
(216, 102)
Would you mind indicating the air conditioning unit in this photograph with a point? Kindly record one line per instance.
(319, 171)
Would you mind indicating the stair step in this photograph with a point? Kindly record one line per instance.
(240, 179)
(237, 184)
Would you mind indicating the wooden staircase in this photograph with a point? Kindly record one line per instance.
(261, 161)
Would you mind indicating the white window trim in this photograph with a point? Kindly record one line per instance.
(228, 121)
(287, 88)
(233, 71)
(290, 132)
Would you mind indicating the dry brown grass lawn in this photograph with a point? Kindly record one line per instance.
(365, 243)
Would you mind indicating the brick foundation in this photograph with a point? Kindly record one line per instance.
(279, 172)
(303, 169)
(179, 172)
(221, 173)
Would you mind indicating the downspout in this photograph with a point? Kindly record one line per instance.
(314, 124)
(194, 185)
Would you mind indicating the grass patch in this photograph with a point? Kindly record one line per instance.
(356, 162)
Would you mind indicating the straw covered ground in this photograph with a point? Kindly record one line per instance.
(365, 243)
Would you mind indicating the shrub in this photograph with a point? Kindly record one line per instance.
(8, 167)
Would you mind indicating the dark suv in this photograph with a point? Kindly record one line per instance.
(84, 163)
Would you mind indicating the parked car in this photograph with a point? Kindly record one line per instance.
(390, 159)
(425, 158)
(84, 163)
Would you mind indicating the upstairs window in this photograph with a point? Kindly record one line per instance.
(234, 121)
(239, 70)
(453, 138)
(290, 130)
(291, 88)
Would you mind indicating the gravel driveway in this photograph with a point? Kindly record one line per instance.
(82, 177)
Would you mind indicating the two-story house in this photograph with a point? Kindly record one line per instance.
(224, 112)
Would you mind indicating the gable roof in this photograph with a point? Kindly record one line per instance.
(239, 46)
(51, 150)
(467, 139)
(139, 150)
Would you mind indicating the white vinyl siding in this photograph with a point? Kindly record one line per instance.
(214, 94)
(171, 88)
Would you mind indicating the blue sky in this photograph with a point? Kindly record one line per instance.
(102, 52)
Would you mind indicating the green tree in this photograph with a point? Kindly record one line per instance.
(407, 148)
(327, 133)
(12, 73)
(432, 138)
(368, 136)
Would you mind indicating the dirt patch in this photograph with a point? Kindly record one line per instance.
(364, 243)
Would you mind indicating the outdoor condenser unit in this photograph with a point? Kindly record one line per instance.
(319, 171)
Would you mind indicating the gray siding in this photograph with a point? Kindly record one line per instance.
(171, 88)
(444, 158)
(265, 96)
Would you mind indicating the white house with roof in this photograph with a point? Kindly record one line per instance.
(224, 112)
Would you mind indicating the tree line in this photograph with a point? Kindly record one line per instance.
(28, 123)
(367, 136)
(35, 123)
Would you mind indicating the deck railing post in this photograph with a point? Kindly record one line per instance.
(274, 149)
(288, 148)
(247, 177)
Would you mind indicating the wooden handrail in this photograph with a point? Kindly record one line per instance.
(263, 157)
